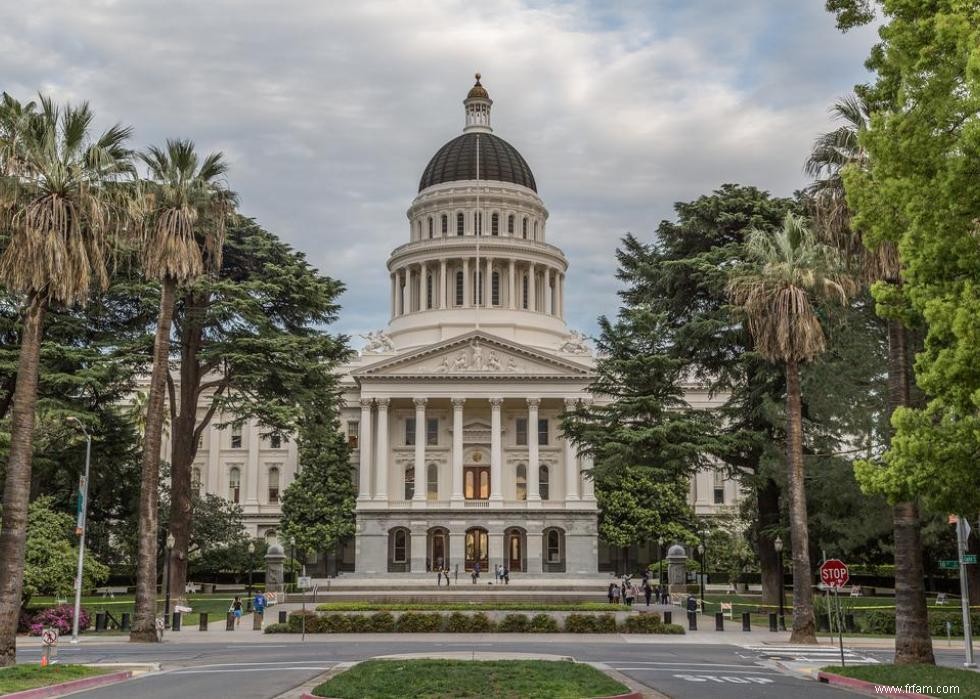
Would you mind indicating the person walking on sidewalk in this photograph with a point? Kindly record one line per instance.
(236, 610)
(647, 591)
(609, 592)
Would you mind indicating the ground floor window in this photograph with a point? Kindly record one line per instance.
(477, 545)
(399, 550)
(554, 550)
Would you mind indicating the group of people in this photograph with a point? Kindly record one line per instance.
(258, 604)
(627, 592)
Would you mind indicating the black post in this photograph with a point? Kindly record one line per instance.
(100, 621)
(202, 623)
(782, 594)
(166, 602)
(124, 622)
(746, 621)
(692, 621)
(283, 617)
(719, 621)
(230, 621)
(772, 621)
(175, 623)
(668, 617)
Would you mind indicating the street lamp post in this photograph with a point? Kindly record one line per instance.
(80, 525)
(292, 557)
(778, 545)
(660, 555)
(251, 566)
(701, 576)
(166, 601)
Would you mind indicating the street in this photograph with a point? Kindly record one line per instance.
(260, 670)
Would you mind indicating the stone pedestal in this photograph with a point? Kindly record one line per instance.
(676, 569)
(274, 567)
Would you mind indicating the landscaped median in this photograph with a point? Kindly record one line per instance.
(909, 681)
(479, 622)
(487, 679)
(36, 682)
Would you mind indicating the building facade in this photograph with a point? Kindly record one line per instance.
(454, 408)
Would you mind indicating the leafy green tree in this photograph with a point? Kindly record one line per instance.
(318, 507)
(182, 210)
(57, 214)
(779, 298)
(250, 343)
(52, 556)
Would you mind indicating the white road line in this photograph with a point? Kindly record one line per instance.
(247, 669)
(687, 669)
(679, 662)
(253, 664)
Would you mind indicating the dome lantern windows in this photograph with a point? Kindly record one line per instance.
(460, 223)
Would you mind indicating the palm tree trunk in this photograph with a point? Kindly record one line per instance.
(804, 628)
(17, 487)
(144, 621)
(913, 644)
(767, 499)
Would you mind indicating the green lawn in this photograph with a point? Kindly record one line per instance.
(449, 679)
(928, 678)
(216, 606)
(468, 607)
(21, 677)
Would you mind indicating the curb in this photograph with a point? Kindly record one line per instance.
(864, 686)
(631, 695)
(57, 690)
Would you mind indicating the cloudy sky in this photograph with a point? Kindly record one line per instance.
(328, 111)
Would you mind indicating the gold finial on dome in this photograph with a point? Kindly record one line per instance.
(477, 90)
(477, 78)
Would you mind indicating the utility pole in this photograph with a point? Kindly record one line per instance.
(80, 525)
(962, 535)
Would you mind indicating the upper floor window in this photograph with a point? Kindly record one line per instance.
(543, 431)
(445, 225)
(274, 484)
(494, 225)
(353, 431)
(431, 226)
(275, 442)
(719, 489)
(460, 222)
(459, 288)
(510, 224)
(520, 432)
(236, 436)
(544, 483)
(478, 287)
(432, 431)
(234, 483)
(196, 478)
(524, 227)
(409, 482)
(521, 481)
(432, 482)
(495, 288)
(410, 431)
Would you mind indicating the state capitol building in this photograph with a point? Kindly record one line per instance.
(454, 408)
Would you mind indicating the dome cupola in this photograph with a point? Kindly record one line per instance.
(477, 104)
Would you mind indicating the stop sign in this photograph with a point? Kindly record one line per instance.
(833, 573)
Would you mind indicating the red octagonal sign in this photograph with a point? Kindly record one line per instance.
(833, 573)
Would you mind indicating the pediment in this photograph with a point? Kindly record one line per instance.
(475, 355)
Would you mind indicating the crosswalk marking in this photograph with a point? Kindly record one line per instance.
(804, 653)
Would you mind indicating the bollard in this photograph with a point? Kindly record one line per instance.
(692, 621)
(125, 622)
(283, 617)
(100, 621)
(772, 621)
(823, 622)
(849, 623)
(668, 617)
(248, 605)
(719, 621)
(202, 623)
(257, 621)
(175, 622)
(230, 621)
(746, 621)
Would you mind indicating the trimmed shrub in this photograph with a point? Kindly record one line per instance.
(937, 622)
(458, 623)
(277, 628)
(580, 623)
(419, 622)
(295, 621)
(334, 623)
(880, 621)
(672, 629)
(643, 623)
(514, 623)
(543, 623)
(382, 622)
(605, 623)
(481, 623)
(60, 618)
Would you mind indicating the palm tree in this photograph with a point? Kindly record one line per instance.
(779, 299)
(60, 212)
(184, 207)
(831, 154)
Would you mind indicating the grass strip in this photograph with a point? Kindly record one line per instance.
(931, 680)
(20, 677)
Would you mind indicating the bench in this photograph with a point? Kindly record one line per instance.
(192, 588)
(111, 591)
(941, 598)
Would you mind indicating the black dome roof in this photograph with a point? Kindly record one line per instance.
(456, 161)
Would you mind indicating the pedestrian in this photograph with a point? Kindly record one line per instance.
(260, 602)
(236, 610)
(628, 594)
(445, 572)
(609, 592)
(506, 574)
(498, 572)
(647, 591)
(439, 578)
(665, 595)
(615, 593)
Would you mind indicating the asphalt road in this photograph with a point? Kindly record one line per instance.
(265, 670)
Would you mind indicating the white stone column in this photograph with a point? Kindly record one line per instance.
(467, 282)
(442, 283)
(457, 460)
(252, 467)
(532, 293)
(456, 556)
(364, 447)
(215, 482)
(496, 454)
(535, 561)
(547, 290)
(533, 492)
(561, 293)
(495, 549)
(381, 463)
(511, 280)
(418, 545)
(423, 286)
(394, 297)
(588, 482)
(420, 480)
(571, 460)
(407, 292)
(488, 284)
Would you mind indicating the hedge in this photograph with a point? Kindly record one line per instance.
(882, 621)
(590, 623)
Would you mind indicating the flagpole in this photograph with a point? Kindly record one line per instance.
(478, 230)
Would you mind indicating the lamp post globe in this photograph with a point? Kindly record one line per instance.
(778, 545)
(166, 602)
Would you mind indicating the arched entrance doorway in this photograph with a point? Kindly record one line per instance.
(515, 543)
(437, 549)
(477, 545)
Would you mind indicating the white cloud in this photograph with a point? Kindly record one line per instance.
(328, 112)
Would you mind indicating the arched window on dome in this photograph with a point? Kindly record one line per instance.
(535, 230)
(510, 225)
(524, 228)
(428, 291)
(445, 225)
(495, 225)
(524, 289)
(431, 227)
(460, 223)
(478, 222)
(495, 288)
(459, 287)
(477, 292)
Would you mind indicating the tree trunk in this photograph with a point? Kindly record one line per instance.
(16, 493)
(144, 618)
(804, 628)
(767, 499)
(184, 441)
(913, 643)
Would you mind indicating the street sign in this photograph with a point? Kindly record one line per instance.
(304, 582)
(833, 573)
(969, 558)
(949, 565)
(49, 637)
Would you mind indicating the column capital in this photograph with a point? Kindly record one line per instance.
(420, 402)
(496, 402)
(366, 402)
(570, 403)
(587, 402)
(533, 402)
(383, 402)
(458, 402)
